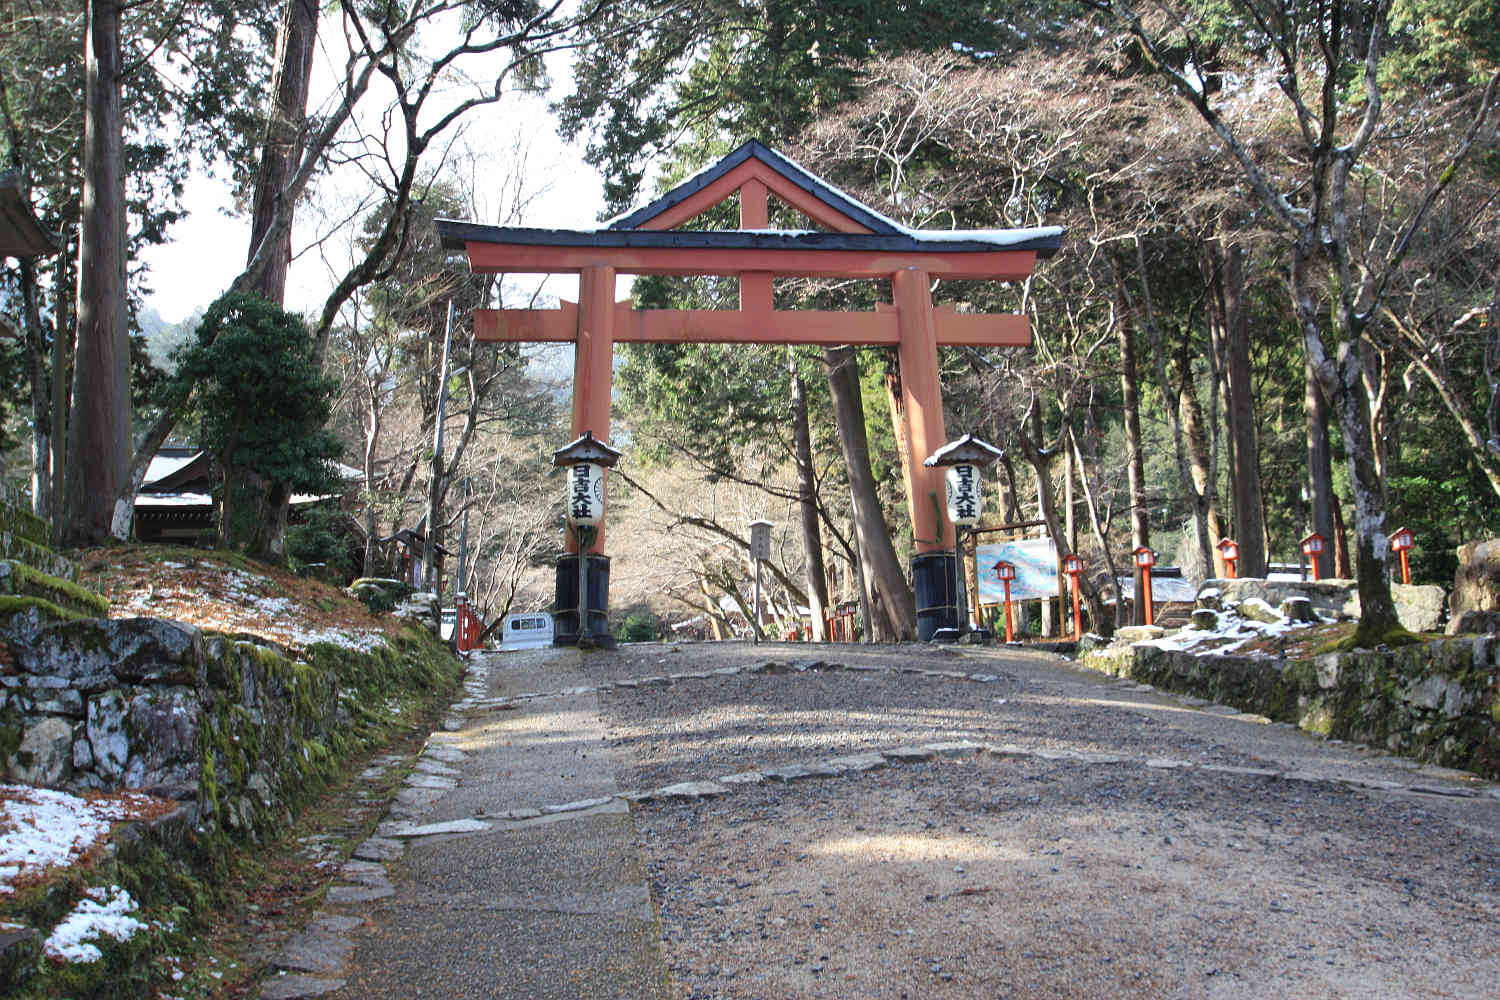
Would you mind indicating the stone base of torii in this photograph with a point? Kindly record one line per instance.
(860, 243)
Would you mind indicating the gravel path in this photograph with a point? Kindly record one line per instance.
(1023, 876)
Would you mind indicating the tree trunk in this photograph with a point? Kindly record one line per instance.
(1343, 377)
(1185, 477)
(1140, 523)
(1377, 611)
(1249, 522)
(41, 395)
(282, 143)
(1101, 624)
(1200, 463)
(61, 360)
(877, 556)
(1041, 469)
(372, 440)
(1319, 468)
(99, 425)
(712, 610)
(897, 406)
(1342, 567)
(807, 505)
(280, 150)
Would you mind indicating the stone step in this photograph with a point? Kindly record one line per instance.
(19, 579)
(17, 519)
(37, 556)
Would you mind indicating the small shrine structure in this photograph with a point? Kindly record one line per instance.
(855, 242)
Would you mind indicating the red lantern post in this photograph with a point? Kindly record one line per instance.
(1230, 550)
(1145, 559)
(1073, 566)
(1006, 572)
(1402, 542)
(1312, 547)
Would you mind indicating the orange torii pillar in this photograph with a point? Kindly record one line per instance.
(932, 567)
(593, 373)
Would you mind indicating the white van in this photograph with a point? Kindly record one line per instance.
(528, 630)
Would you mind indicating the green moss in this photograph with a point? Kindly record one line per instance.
(10, 739)
(1317, 718)
(17, 521)
(1371, 638)
(27, 580)
(13, 604)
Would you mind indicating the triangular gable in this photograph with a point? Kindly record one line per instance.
(798, 187)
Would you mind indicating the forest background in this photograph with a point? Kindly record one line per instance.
(1276, 309)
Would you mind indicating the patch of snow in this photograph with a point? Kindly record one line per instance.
(44, 828)
(1260, 603)
(1231, 635)
(993, 237)
(281, 615)
(104, 912)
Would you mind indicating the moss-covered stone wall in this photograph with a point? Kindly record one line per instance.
(240, 734)
(1437, 701)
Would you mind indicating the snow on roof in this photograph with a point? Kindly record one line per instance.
(163, 466)
(160, 501)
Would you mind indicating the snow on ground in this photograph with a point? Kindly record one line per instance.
(103, 912)
(41, 828)
(217, 597)
(284, 613)
(1231, 633)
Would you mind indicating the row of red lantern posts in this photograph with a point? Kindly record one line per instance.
(1006, 572)
(1312, 546)
(1401, 543)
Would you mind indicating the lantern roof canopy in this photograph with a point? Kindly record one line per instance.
(586, 450)
(21, 233)
(767, 523)
(967, 450)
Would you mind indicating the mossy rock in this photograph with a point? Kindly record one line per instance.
(380, 595)
(15, 520)
(37, 556)
(19, 579)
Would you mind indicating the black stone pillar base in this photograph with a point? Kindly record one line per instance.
(935, 589)
(565, 607)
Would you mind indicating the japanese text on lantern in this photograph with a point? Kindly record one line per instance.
(585, 494)
(964, 498)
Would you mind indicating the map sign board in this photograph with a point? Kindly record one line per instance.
(1035, 560)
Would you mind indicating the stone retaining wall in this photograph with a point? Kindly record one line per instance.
(1437, 701)
(233, 727)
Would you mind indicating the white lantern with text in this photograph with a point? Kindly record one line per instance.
(585, 494)
(965, 495)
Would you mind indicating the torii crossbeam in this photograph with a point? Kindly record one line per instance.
(862, 243)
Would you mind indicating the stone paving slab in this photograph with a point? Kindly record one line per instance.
(519, 874)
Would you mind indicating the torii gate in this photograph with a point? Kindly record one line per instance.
(862, 244)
